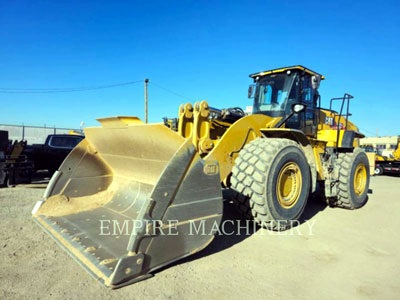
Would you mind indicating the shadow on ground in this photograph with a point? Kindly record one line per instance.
(315, 204)
(235, 230)
(391, 175)
(39, 181)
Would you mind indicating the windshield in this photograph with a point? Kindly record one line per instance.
(272, 93)
(68, 142)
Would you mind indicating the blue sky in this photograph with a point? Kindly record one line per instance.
(199, 49)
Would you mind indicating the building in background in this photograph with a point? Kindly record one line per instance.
(384, 145)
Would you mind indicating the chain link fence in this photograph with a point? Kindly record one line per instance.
(33, 134)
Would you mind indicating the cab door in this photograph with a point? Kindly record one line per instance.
(308, 97)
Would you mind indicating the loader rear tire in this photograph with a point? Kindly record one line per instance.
(353, 179)
(271, 182)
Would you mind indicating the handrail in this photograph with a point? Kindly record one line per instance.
(345, 97)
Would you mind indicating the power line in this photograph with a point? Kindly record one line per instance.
(81, 89)
(63, 90)
(363, 129)
(169, 91)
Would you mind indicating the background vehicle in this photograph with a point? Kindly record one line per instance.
(15, 168)
(160, 179)
(384, 164)
(51, 154)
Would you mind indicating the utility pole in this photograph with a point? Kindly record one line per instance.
(146, 81)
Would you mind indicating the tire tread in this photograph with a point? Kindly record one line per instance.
(248, 179)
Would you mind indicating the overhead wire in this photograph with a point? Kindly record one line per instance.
(63, 90)
(169, 90)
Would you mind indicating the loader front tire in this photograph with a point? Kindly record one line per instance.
(353, 179)
(271, 182)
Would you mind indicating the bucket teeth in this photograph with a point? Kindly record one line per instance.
(108, 261)
(90, 249)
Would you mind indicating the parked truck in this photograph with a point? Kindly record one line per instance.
(51, 154)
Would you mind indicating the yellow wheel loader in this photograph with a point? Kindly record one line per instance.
(134, 197)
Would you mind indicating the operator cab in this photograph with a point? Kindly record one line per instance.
(276, 91)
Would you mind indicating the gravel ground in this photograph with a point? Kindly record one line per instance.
(335, 254)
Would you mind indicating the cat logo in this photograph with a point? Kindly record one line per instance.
(210, 168)
(329, 121)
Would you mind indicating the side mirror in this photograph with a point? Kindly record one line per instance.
(250, 93)
(297, 108)
(315, 80)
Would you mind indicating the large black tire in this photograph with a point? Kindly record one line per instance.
(257, 171)
(378, 170)
(352, 193)
(7, 182)
(4, 184)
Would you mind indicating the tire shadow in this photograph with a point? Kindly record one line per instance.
(315, 204)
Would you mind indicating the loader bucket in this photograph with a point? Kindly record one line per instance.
(131, 198)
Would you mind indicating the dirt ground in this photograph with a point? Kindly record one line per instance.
(336, 254)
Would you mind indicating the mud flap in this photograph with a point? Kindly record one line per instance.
(129, 199)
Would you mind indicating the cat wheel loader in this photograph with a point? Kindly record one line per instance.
(134, 197)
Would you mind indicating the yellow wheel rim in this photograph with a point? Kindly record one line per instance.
(288, 187)
(360, 179)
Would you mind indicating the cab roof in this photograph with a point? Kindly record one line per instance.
(281, 70)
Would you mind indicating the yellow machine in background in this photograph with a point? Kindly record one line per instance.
(15, 168)
(394, 156)
(75, 132)
(388, 164)
(170, 178)
(396, 153)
